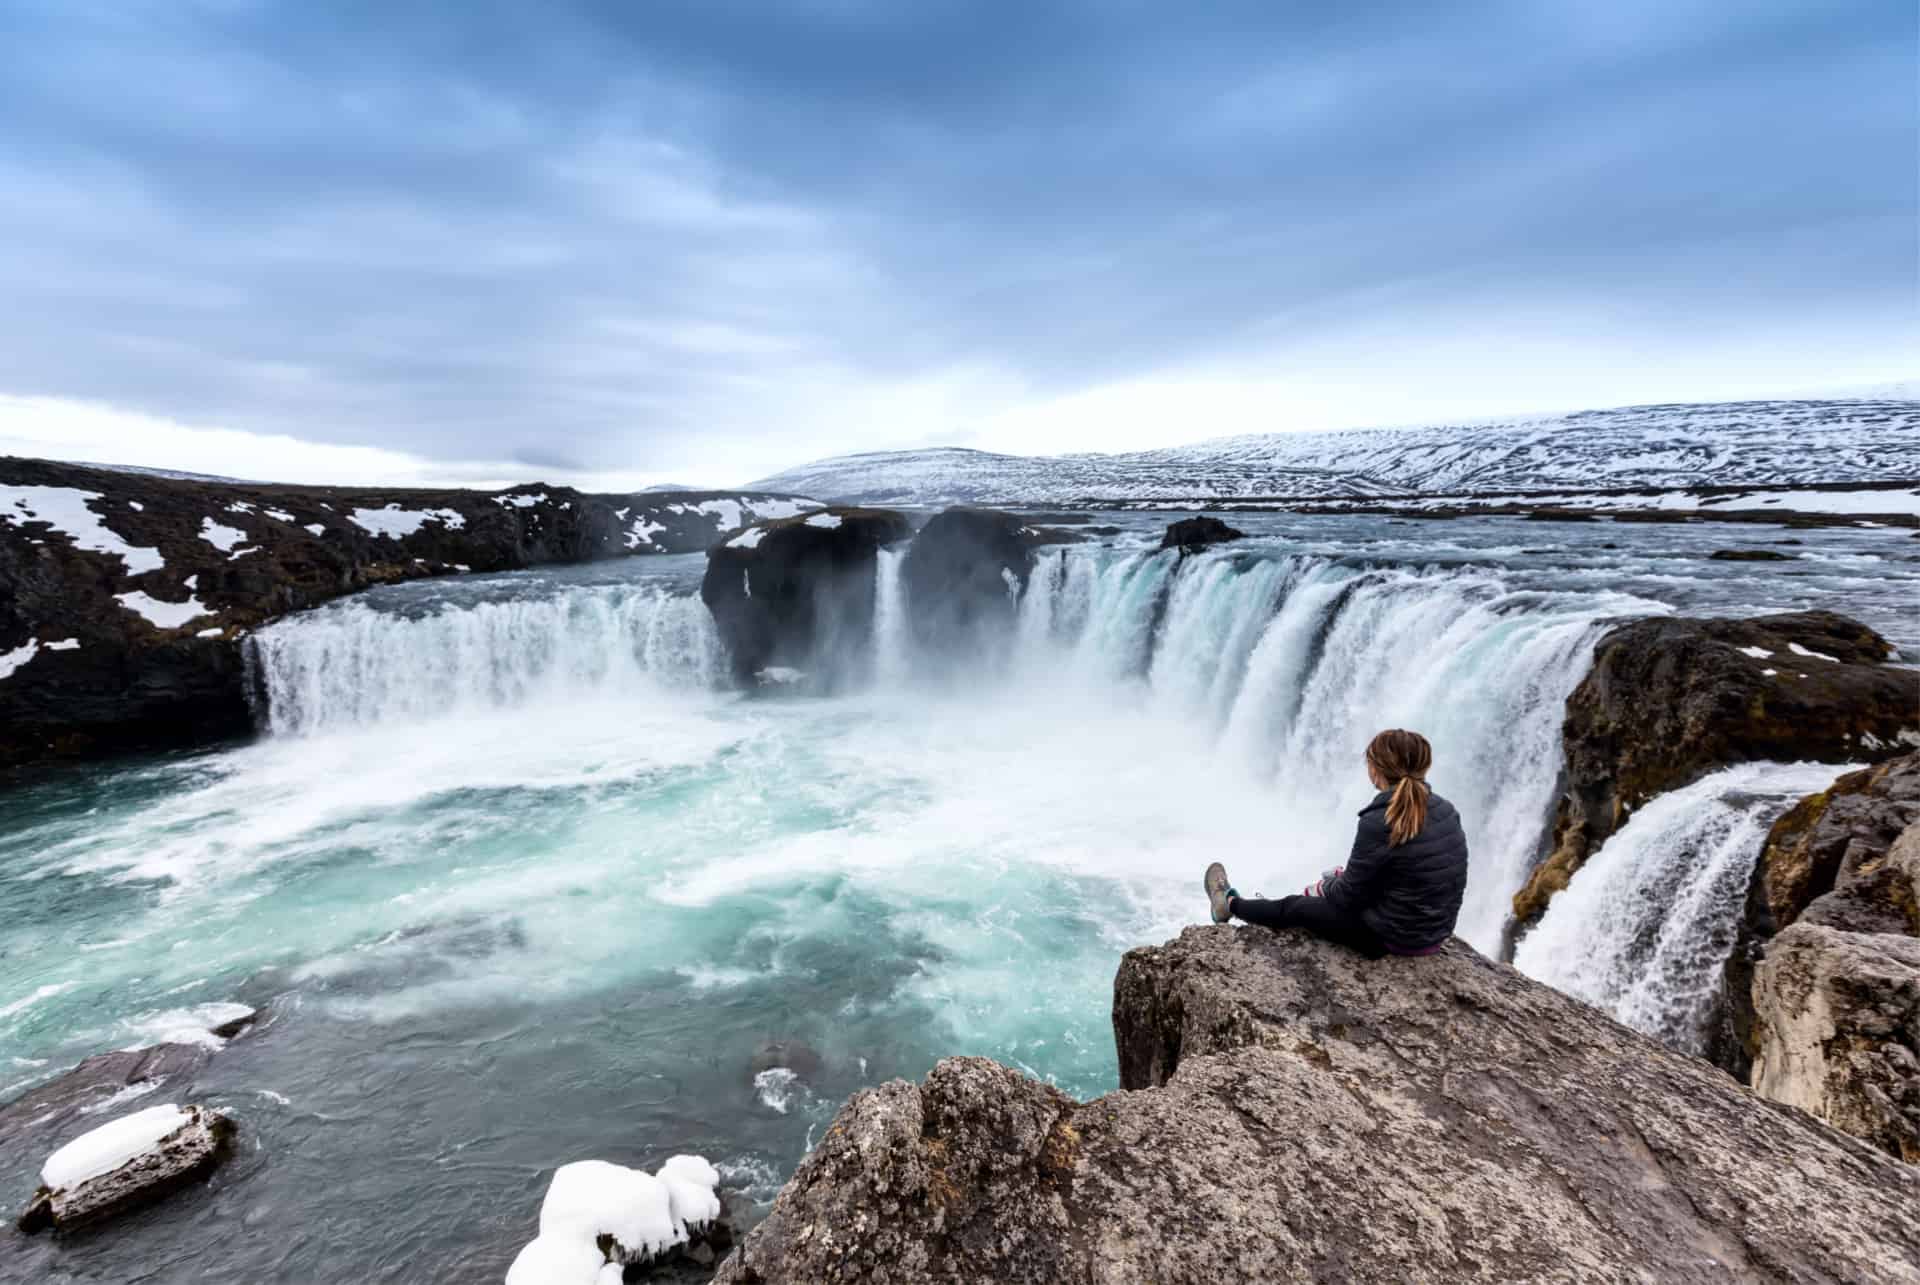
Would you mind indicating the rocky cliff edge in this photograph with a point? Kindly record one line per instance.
(1294, 1112)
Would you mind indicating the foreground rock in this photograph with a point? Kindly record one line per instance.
(1194, 535)
(797, 594)
(962, 577)
(187, 1145)
(1669, 700)
(1299, 1113)
(1830, 1016)
(123, 596)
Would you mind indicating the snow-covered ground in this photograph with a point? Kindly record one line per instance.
(1661, 449)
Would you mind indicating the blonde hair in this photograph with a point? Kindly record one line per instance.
(1402, 759)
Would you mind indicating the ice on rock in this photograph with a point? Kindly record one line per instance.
(558, 1260)
(594, 1198)
(645, 1214)
(110, 1146)
(691, 1194)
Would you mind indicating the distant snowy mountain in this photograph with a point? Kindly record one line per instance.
(1771, 443)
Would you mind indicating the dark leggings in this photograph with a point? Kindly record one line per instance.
(1316, 916)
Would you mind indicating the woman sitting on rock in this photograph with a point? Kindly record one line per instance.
(1400, 891)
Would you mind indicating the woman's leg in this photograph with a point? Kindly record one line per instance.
(1314, 915)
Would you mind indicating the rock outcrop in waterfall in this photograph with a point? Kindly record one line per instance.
(795, 597)
(1294, 1112)
(123, 595)
(963, 575)
(1670, 699)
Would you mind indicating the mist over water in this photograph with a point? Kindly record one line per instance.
(523, 880)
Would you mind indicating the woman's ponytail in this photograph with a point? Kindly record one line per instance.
(1402, 758)
(1406, 810)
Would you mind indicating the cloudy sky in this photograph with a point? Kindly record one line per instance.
(699, 240)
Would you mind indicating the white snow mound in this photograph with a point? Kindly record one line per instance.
(113, 1144)
(646, 1213)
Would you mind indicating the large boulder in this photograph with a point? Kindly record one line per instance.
(798, 593)
(1669, 700)
(124, 596)
(962, 577)
(1295, 1112)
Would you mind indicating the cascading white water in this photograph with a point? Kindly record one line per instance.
(1644, 927)
(890, 637)
(350, 665)
(1288, 663)
(1296, 662)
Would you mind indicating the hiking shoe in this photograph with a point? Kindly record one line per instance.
(1220, 893)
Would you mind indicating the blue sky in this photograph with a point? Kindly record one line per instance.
(704, 239)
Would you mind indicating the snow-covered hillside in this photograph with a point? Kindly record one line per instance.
(1652, 447)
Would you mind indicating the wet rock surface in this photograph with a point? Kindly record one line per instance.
(124, 596)
(1670, 699)
(1294, 1112)
(798, 593)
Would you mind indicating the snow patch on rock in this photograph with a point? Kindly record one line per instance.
(749, 538)
(642, 532)
(1798, 650)
(397, 522)
(224, 538)
(163, 615)
(110, 1146)
(66, 511)
(825, 521)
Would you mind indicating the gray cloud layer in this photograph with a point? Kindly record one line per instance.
(663, 235)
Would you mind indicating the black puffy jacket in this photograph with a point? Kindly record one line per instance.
(1409, 895)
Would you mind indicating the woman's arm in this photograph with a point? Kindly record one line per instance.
(1359, 884)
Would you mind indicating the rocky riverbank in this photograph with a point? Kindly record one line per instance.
(123, 596)
(1292, 1111)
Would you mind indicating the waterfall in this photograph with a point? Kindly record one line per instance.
(890, 636)
(1295, 662)
(1644, 927)
(349, 665)
(1288, 663)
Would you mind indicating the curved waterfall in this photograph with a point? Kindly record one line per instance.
(350, 665)
(1289, 663)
